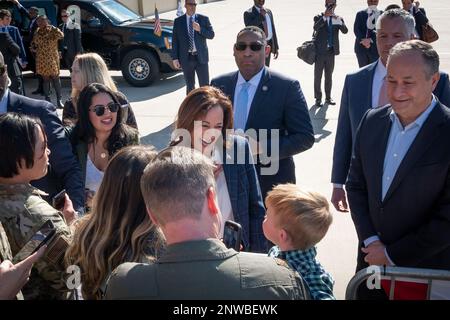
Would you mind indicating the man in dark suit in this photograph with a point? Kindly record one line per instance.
(399, 180)
(362, 91)
(262, 18)
(32, 15)
(265, 100)
(70, 46)
(65, 171)
(189, 49)
(364, 29)
(418, 13)
(326, 33)
(10, 51)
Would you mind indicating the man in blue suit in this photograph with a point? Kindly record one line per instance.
(263, 99)
(365, 89)
(364, 29)
(16, 79)
(65, 171)
(189, 49)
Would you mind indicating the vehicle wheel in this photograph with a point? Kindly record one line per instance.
(140, 68)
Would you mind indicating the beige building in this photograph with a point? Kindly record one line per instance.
(147, 7)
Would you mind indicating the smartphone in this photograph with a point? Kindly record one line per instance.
(59, 200)
(43, 236)
(232, 235)
(330, 7)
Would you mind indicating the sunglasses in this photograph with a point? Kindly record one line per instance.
(254, 46)
(65, 16)
(191, 4)
(2, 69)
(100, 109)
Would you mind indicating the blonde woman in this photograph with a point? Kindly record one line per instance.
(90, 68)
(119, 229)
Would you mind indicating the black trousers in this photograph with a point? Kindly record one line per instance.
(17, 85)
(324, 62)
(366, 57)
(193, 67)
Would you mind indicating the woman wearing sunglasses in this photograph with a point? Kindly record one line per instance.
(91, 68)
(98, 134)
(206, 115)
(119, 229)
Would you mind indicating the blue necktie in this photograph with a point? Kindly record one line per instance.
(240, 109)
(191, 34)
(330, 33)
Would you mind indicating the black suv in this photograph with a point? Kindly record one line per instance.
(123, 38)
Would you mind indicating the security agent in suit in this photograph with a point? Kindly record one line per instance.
(399, 180)
(419, 14)
(364, 29)
(10, 51)
(180, 194)
(189, 49)
(70, 45)
(362, 91)
(326, 29)
(16, 72)
(262, 18)
(266, 100)
(64, 171)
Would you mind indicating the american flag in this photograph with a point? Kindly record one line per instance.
(157, 30)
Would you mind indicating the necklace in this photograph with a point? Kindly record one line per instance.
(102, 154)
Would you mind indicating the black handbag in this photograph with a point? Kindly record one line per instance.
(307, 51)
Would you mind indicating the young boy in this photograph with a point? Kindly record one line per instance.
(295, 222)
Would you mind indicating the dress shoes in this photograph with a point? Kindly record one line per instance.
(330, 102)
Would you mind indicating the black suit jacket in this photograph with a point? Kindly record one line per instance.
(71, 43)
(361, 31)
(10, 51)
(321, 35)
(421, 19)
(252, 17)
(413, 220)
(278, 104)
(180, 39)
(65, 171)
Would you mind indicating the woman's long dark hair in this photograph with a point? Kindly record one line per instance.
(121, 134)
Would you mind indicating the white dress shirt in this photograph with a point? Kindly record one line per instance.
(254, 82)
(377, 83)
(4, 102)
(223, 196)
(188, 18)
(269, 25)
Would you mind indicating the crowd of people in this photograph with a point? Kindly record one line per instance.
(136, 223)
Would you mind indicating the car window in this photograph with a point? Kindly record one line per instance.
(87, 15)
(117, 12)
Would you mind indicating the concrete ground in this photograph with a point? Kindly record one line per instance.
(157, 105)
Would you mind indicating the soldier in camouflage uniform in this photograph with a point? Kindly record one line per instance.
(23, 211)
(13, 277)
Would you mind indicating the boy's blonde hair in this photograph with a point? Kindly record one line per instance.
(304, 215)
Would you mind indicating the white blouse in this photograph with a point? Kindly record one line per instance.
(94, 176)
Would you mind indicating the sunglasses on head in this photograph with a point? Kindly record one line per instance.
(100, 109)
(254, 46)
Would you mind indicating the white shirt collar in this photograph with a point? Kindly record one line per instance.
(188, 16)
(253, 81)
(258, 8)
(4, 102)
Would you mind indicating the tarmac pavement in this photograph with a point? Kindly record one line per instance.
(156, 106)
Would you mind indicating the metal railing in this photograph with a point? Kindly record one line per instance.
(394, 273)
